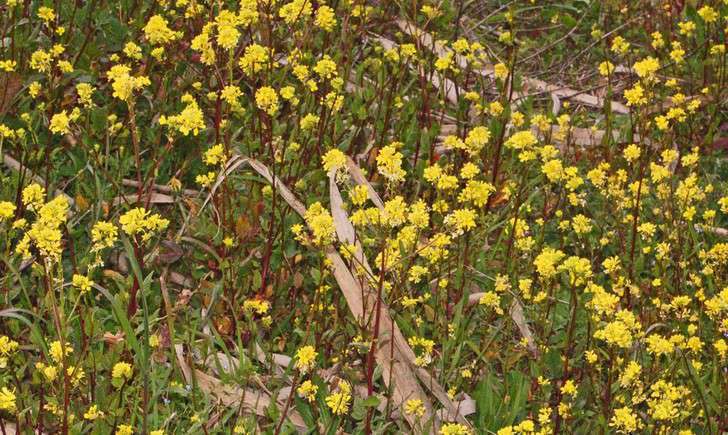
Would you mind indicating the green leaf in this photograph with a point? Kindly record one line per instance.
(371, 402)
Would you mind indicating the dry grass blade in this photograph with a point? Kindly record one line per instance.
(15, 165)
(397, 368)
(395, 361)
(562, 92)
(359, 178)
(516, 313)
(715, 230)
(154, 198)
(10, 84)
(231, 396)
(437, 80)
(160, 187)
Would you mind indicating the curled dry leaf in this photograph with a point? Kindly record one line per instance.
(113, 339)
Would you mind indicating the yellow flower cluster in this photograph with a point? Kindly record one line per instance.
(141, 224)
(46, 232)
(389, 163)
(124, 84)
(338, 401)
(157, 31)
(305, 358)
(266, 98)
(190, 120)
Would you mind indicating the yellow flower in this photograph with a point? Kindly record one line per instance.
(569, 388)
(295, 10)
(45, 232)
(647, 67)
(158, 32)
(476, 192)
(266, 99)
(492, 300)
(201, 43)
(431, 12)
(190, 120)
(495, 108)
(444, 62)
(34, 89)
(333, 159)
(93, 413)
(7, 346)
(521, 140)
(414, 407)
(60, 123)
(321, 224)
(124, 429)
(215, 155)
(606, 68)
(305, 358)
(389, 163)
(139, 221)
(308, 390)
(46, 14)
(677, 54)
(49, 372)
(658, 345)
(7, 400)
(8, 65)
(632, 153)
(325, 18)
(418, 214)
(395, 211)
(338, 402)
(554, 170)
(325, 68)
(635, 96)
(103, 235)
(547, 261)
(476, 139)
(227, 32)
(57, 352)
(723, 203)
(454, 429)
(40, 61)
(123, 83)
(501, 71)
(591, 356)
(625, 420)
(7, 209)
(462, 220)
(581, 224)
(132, 50)
(616, 333)
(259, 306)
(82, 283)
(687, 28)
(309, 121)
(255, 58)
(121, 370)
(708, 14)
(84, 91)
(657, 40)
(619, 45)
